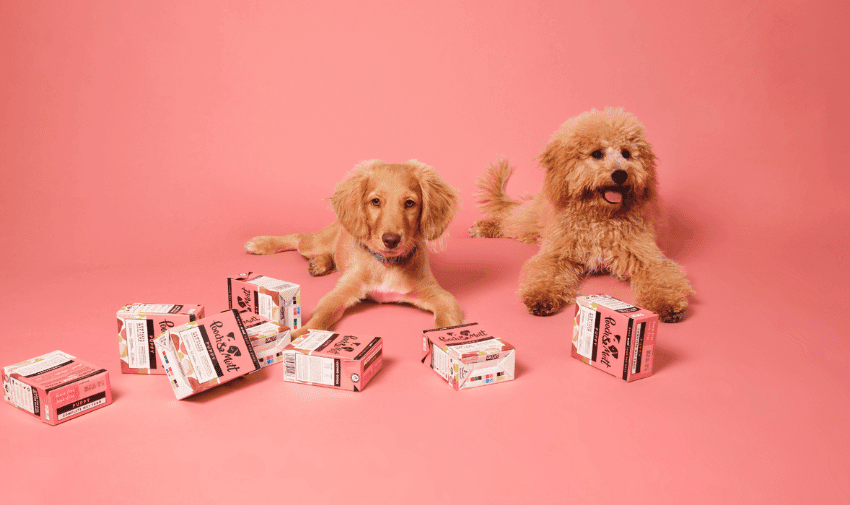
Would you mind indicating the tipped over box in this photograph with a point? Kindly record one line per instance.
(614, 336)
(206, 353)
(273, 299)
(467, 356)
(139, 324)
(325, 358)
(56, 387)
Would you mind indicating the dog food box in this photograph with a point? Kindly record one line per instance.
(324, 358)
(614, 336)
(139, 324)
(206, 353)
(273, 299)
(56, 387)
(467, 356)
(267, 337)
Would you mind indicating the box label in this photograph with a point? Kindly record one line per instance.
(138, 355)
(23, 396)
(196, 344)
(315, 369)
(80, 406)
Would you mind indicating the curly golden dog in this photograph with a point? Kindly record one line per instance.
(386, 215)
(593, 215)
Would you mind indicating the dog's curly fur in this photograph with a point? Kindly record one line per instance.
(387, 214)
(594, 214)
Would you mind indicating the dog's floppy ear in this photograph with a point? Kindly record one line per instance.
(440, 201)
(558, 158)
(347, 200)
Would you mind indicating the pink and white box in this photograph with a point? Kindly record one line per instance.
(466, 356)
(206, 353)
(267, 337)
(325, 358)
(139, 324)
(56, 387)
(614, 336)
(273, 299)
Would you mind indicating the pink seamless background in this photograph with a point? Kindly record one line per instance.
(142, 143)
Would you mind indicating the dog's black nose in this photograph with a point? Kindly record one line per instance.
(390, 240)
(619, 176)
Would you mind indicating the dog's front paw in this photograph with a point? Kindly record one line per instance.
(261, 245)
(543, 304)
(320, 265)
(669, 311)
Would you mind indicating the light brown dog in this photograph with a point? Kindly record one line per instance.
(386, 214)
(592, 215)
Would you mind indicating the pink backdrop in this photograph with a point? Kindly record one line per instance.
(141, 144)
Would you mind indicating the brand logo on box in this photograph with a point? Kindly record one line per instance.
(226, 350)
(608, 347)
(463, 335)
(344, 345)
(244, 302)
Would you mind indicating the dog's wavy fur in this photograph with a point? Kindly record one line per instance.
(579, 230)
(387, 215)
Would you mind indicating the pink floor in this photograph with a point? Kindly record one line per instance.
(142, 143)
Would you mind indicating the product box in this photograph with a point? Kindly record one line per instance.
(614, 336)
(203, 354)
(267, 337)
(273, 299)
(56, 387)
(139, 324)
(467, 356)
(324, 358)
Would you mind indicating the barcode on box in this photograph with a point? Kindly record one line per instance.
(289, 366)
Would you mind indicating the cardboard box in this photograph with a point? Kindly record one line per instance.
(614, 336)
(56, 387)
(467, 356)
(324, 358)
(273, 299)
(267, 337)
(144, 322)
(206, 353)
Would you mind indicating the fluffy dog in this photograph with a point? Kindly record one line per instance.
(386, 214)
(593, 215)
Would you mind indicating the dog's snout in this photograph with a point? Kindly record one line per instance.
(390, 240)
(619, 176)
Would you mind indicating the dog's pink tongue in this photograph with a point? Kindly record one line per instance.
(614, 196)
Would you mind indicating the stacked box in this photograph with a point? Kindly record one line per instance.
(56, 387)
(139, 324)
(324, 358)
(267, 337)
(614, 336)
(206, 353)
(273, 299)
(467, 356)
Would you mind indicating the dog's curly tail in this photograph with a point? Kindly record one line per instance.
(492, 198)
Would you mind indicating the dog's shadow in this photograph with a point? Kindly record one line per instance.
(679, 233)
(480, 262)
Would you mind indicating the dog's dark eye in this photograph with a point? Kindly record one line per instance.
(598, 154)
(626, 154)
(409, 203)
(376, 202)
